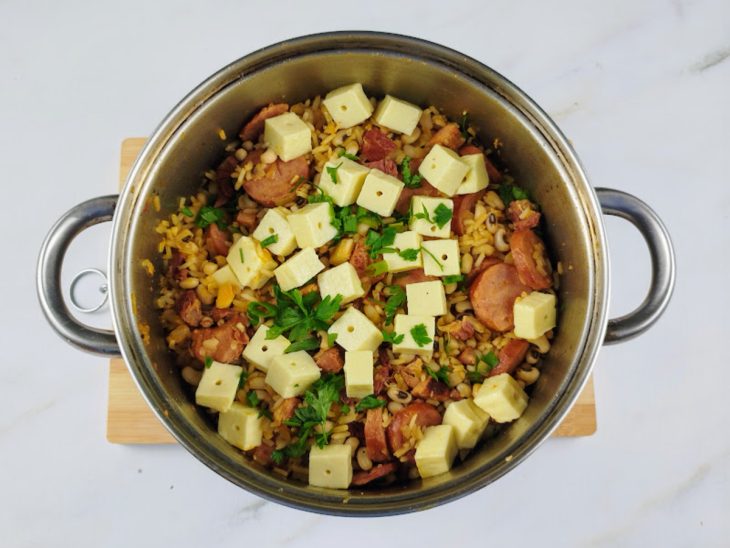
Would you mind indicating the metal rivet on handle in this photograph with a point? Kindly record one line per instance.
(103, 289)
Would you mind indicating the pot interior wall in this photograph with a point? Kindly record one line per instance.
(195, 147)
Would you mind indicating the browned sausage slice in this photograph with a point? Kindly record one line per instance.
(411, 277)
(216, 240)
(463, 204)
(448, 136)
(511, 355)
(255, 126)
(431, 389)
(493, 295)
(224, 343)
(376, 146)
(523, 214)
(277, 187)
(375, 443)
(426, 415)
(377, 472)
(533, 266)
(330, 361)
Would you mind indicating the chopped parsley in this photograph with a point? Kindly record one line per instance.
(252, 398)
(410, 254)
(208, 362)
(317, 402)
(243, 378)
(464, 124)
(345, 409)
(369, 402)
(381, 243)
(394, 302)
(187, 212)
(345, 219)
(484, 366)
(420, 335)
(266, 242)
(332, 172)
(509, 192)
(298, 315)
(209, 215)
(344, 154)
(240, 254)
(441, 215)
(331, 338)
(441, 374)
(411, 180)
(453, 279)
(392, 337)
(378, 268)
(491, 359)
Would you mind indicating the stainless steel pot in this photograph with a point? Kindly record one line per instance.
(538, 154)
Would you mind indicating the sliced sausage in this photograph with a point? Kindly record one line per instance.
(431, 389)
(223, 180)
(403, 204)
(255, 126)
(375, 443)
(411, 277)
(285, 410)
(386, 166)
(262, 454)
(376, 472)
(190, 308)
(426, 415)
(463, 204)
(247, 219)
(223, 343)
(486, 263)
(330, 361)
(493, 295)
(510, 356)
(523, 214)
(531, 261)
(495, 176)
(376, 146)
(448, 136)
(216, 240)
(277, 187)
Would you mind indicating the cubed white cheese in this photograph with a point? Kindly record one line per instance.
(292, 374)
(534, 315)
(355, 331)
(298, 269)
(224, 275)
(446, 252)
(444, 169)
(380, 193)
(274, 223)
(502, 398)
(252, 264)
(240, 426)
(405, 324)
(218, 386)
(288, 136)
(426, 299)
(340, 280)
(260, 350)
(348, 105)
(350, 177)
(397, 115)
(358, 373)
(436, 451)
(477, 177)
(468, 420)
(424, 218)
(404, 240)
(330, 466)
(312, 225)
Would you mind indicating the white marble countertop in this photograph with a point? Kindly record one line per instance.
(641, 88)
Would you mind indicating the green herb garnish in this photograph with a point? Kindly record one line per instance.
(509, 192)
(411, 180)
(252, 398)
(378, 268)
(427, 252)
(395, 301)
(392, 337)
(491, 359)
(332, 172)
(240, 254)
(455, 278)
(266, 242)
(187, 212)
(369, 402)
(306, 344)
(208, 361)
(345, 409)
(420, 335)
(209, 215)
(344, 154)
(441, 374)
(331, 338)
(410, 254)
(380, 243)
(464, 124)
(442, 215)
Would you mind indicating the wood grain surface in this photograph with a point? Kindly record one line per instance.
(131, 421)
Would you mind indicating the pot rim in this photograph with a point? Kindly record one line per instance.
(285, 491)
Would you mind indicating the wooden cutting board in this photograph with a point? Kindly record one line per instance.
(131, 421)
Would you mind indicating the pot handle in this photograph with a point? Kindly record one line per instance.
(631, 208)
(48, 276)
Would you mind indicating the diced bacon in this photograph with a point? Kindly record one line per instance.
(190, 308)
(216, 240)
(376, 146)
(330, 361)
